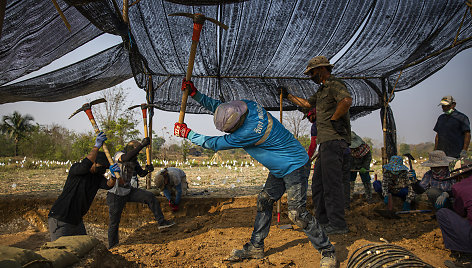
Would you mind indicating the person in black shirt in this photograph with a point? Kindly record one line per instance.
(452, 130)
(82, 184)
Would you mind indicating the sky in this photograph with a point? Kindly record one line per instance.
(415, 110)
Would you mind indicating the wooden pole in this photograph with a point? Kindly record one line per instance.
(150, 100)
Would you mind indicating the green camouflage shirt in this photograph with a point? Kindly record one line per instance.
(326, 100)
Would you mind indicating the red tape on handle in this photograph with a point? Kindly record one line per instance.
(144, 113)
(89, 113)
(197, 28)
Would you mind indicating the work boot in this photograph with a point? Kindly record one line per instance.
(328, 260)
(165, 224)
(329, 230)
(248, 252)
(368, 191)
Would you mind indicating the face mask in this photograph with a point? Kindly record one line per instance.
(316, 78)
(449, 111)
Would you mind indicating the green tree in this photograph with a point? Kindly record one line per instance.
(82, 145)
(157, 143)
(17, 127)
(404, 148)
(49, 142)
(118, 123)
(7, 147)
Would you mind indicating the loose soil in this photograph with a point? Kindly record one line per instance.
(215, 218)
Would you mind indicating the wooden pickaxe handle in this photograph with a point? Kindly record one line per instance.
(197, 28)
(281, 116)
(97, 131)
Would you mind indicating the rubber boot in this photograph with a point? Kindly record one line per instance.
(368, 191)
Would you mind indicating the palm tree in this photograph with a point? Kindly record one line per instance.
(16, 126)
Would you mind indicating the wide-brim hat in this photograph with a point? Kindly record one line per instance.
(438, 158)
(463, 170)
(395, 164)
(356, 141)
(315, 62)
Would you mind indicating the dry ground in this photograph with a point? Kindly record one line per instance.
(217, 217)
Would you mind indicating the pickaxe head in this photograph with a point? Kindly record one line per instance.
(200, 19)
(409, 156)
(87, 106)
(144, 107)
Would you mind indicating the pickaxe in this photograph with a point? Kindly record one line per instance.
(198, 20)
(87, 108)
(144, 108)
(410, 157)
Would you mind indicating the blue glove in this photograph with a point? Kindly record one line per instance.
(114, 168)
(412, 175)
(386, 200)
(441, 200)
(406, 206)
(101, 138)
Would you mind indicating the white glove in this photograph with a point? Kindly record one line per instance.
(441, 200)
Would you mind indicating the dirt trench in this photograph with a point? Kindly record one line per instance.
(208, 228)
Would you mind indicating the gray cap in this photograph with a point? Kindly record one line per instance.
(228, 114)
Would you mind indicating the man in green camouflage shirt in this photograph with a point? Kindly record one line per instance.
(332, 101)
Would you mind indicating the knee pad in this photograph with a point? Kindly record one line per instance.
(300, 217)
(264, 202)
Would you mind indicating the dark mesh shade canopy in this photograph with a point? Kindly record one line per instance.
(267, 45)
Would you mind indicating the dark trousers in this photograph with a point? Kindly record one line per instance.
(327, 186)
(347, 178)
(296, 184)
(456, 231)
(59, 228)
(117, 203)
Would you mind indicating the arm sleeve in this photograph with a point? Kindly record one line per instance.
(225, 142)
(207, 102)
(417, 188)
(167, 193)
(178, 194)
(425, 183)
(312, 148)
(81, 168)
(140, 171)
(339, 91)
(127, 156)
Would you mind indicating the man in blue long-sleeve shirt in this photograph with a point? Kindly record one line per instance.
(252, 128)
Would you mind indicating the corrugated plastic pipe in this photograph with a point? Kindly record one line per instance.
(385, 256)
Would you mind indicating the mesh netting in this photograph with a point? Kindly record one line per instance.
(267, 45)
